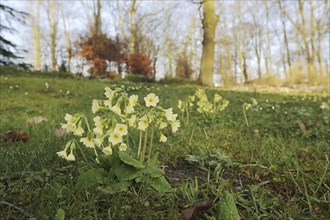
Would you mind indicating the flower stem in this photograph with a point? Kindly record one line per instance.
(150, 143)
(192, 134)
(187, 114)
(87, 123)
(245, 117)
(81, 151)
(144, 145)
(140, 144)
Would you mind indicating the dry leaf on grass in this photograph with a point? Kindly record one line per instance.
(191, 213)
(12, 136)
(59, 132)
(302, 127)
(36, 120)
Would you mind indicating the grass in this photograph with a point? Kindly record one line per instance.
(274, 169)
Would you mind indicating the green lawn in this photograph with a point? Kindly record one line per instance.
(273, 168)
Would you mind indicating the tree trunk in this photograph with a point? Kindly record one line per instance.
(131, 43)
(210, 20)
(269, 62)
(245, 72)
(258, 61)
(96, 29)
(286, 43)
(52, 17)
(303, 32)
(35, 26)
(67, 41)
(121, 22)
(240, 59)
(229, 64)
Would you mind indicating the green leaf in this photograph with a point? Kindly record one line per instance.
(153, 172)
(228, 209)
(115, 188)
(129, 160)
(60, 214)
(160, 184)
(126, 172)
(153, 161)
(91, 177)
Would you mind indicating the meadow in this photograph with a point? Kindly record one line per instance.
(264, 156)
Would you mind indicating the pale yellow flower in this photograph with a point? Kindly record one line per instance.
(247, 106)
(162, 138)
(109, 93)
(324, 105)
(107, 150)
(70, 127)
(254, 101)
(131, 121)
(98, 130)
(107, 103)
(129, 108)
(151, 100)
(98, 121)
(133, 100)
(63, 154)
(116, 108)
(191, 98)
(115, 138)
(98, 141)
(120, 129)
(143, 123)
(122, 147)
(87, 142)
(169, 114)
(79, 131)
(224, 105)
(217, 98)
(200, 93)
(162, 125)
(175, 126)
(71, 156)
(69, 118)
(95, 106)
(180, 105)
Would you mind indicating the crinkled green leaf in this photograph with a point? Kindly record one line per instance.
(160, 184)
(129, 160)
(153, 172)
(115, 188)
(228, 209)
(60, 214)
(127, 172)
(153, 161)
(91, 177)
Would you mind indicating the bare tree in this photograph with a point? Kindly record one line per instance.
(209, 21)
(68, 41)
(36, 34)
(52, 19)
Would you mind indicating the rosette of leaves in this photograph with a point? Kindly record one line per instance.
(121, 171)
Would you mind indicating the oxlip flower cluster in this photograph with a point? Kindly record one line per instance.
(74, 124)
(118, 117)
(202, 103)
(324, 106)
(69, 147)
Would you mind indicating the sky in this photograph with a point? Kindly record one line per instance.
(171, 29)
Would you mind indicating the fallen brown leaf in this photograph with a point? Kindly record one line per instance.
(12, 136)
(59, 132)
(302, 127)
(36, 120)
(191, 213)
